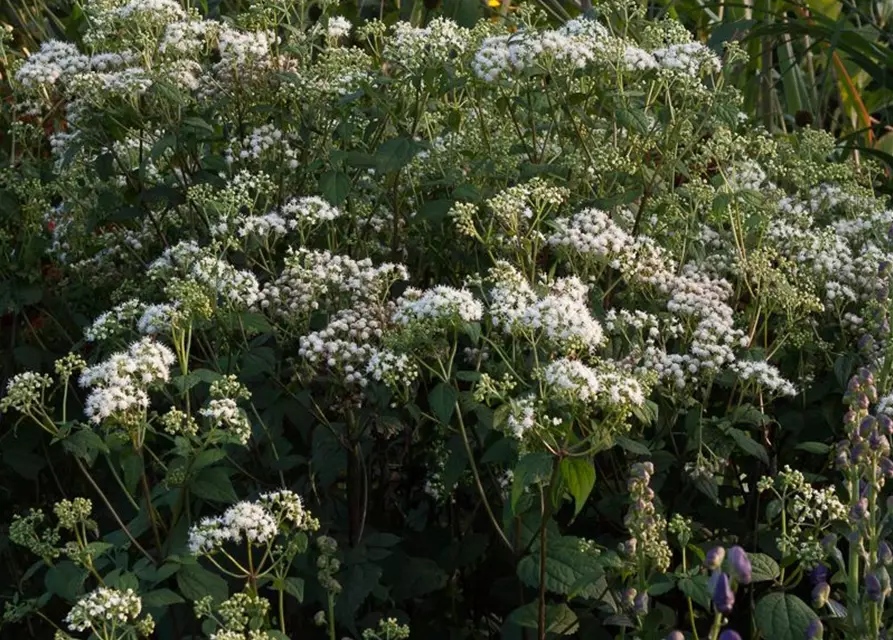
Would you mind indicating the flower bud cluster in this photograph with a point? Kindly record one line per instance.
(646, 527)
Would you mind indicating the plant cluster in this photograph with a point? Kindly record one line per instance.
(506, 328)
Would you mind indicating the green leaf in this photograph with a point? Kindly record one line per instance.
(442, 399)
(66, 580)
(195, 582)
(566, 564)
(161, 598)
(748, 445)
(764, 568)
(206, 458)
(85, 444)
(579, 476)
(533, 467)
(696, 589)
(292, 586)
(814, 447)
(132, 466)
(334, 186)
(418, 577)
(782, 616)
(396, 153)
(632, 446)
(560, 618)
(358, 582)
(213, 484)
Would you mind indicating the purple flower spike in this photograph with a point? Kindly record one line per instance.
(723, 596)
(739, 564)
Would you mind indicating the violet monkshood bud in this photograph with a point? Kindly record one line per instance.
(885, 424)
(873, 590)
(815, 630)
(739, 565)
(675, 635)
(724, 597)
(640, 604)
(714, 558)
(887, 467)
(859, 511)
(629, 597)
(884, 554)
(821, 573)
(728, 634)
(820, 594)
(866, 427)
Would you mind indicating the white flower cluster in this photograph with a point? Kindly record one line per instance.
(265, 140)
(225, 413)
(54, 61)
(187, 37)
(297, 213)
(690, 58)
(338, 27)
(575, 45)
(346, 344)
(104, 607)
(120, 383)
(239, 287)
(158, 319)
(578, 383)
(522, 416)
(440, 305)
(288, 508)
(562, 315)
(396, 370)
(24, 390)
(256, 523)
(592, 233)
(765, 375)
(248, 521)
(312, 279)
(415, 49)
(109, 323)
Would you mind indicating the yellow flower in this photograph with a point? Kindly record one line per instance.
(495, 4)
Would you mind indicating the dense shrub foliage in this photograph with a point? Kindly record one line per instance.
(513, 330)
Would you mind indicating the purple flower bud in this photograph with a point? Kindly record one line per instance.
(820, 594)
(675, 635)
(849, 417)
(629, 597)
(858, 451)
(882, 293)
(640, 604)
(820, 573)
(739, 564)
(865, 343)
(885, 554)
(866, 376)
(878, 442)
(884, 424)
(815, 630)
(887, 467)
(873, 590)
(866, 427)
(728, 634)
(883, 268)
(828, 543)
(859, 511)
(714, 558)
(723, 596)
(863, 401)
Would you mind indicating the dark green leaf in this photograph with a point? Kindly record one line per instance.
(782, 616)
(334, 186)
(560, 618)
(442, 399)
(195, 582)
(579, 477)
(213, 483)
